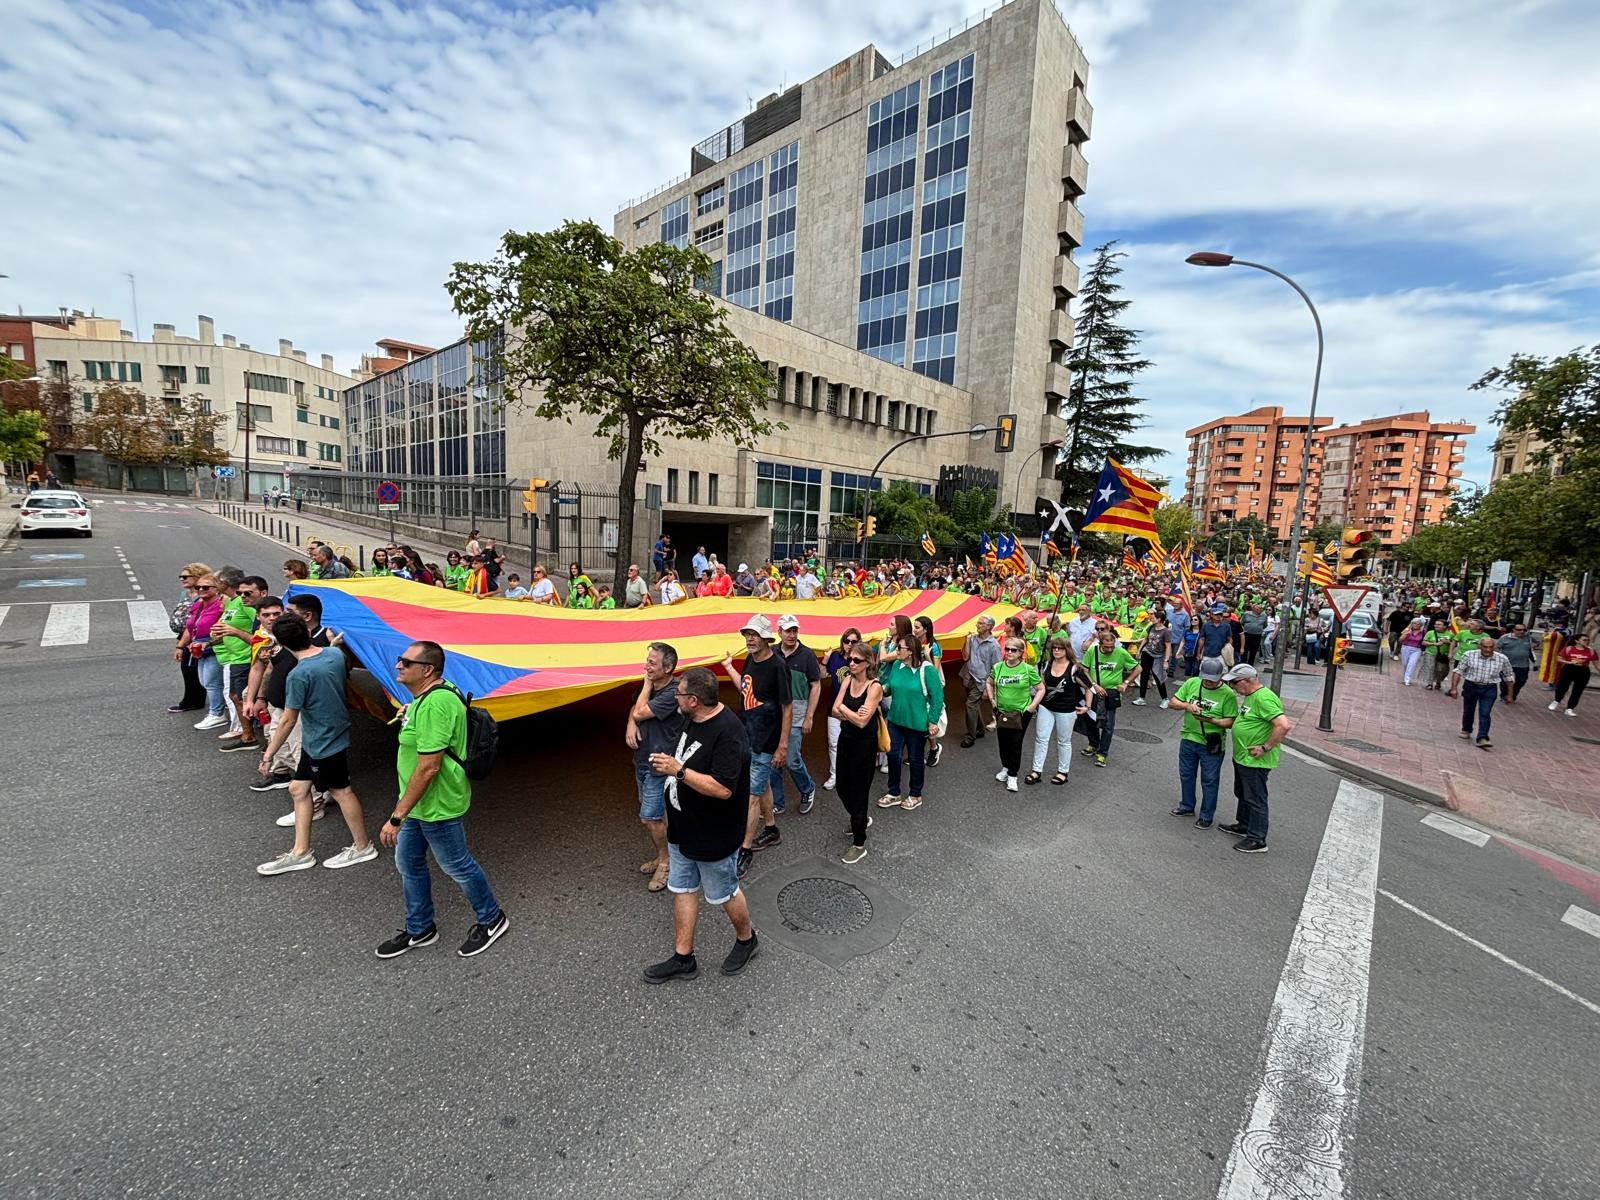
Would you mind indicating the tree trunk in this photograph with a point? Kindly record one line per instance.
(627, 490)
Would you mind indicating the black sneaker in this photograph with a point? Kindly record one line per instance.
(742, 863)
(234, 745)
(807, 801)
(935, 754)
(1236, 829)
(1251, 846)
(679, 966)
(1183, 812)
(741, 953)
(272, 782)
(481, 937)
(403, 941)
(1202, 823)
(767, 837)
(968, 742)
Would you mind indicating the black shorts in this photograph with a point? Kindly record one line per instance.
(324, 774)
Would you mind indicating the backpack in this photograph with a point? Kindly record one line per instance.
(483, 739)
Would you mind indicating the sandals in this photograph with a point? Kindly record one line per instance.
(889, 802)
(1059, 778)
(1032, 777)
(911, 802)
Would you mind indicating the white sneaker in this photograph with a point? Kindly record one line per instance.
(1011, 783)
(287, 862)
(827, 784)
(1572, 712)
(1554, 704)
(1164, 703)
(318, 811)
(884, 767)
(350, 856)
(217, 721)
(1001, 775)
(1138, 701)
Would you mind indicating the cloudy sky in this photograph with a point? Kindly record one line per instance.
(310, 169)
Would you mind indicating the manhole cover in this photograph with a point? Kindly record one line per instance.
(822, 905)
(1358, 744)
(1138, 735)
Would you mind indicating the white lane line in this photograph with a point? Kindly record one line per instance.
(67, 625)
(1581, 918)
(4, 609)
(1491, 952)
(148, 619)
(1456, 829)
(1292, 1143)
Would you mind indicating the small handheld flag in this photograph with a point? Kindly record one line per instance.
(927, 542)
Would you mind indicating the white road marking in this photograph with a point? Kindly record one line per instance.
(1581, 918)
(1492, 952)
(67, 625)
(4, 609)
(148, 619)
(1456, 829)
(1292, 1143)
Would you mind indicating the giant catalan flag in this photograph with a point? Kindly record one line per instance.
(518, 658)
(1122, 503)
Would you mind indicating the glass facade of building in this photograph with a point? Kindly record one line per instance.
(783, 174)
(793, 494)
(743, 278)
(943, 226)
(845, 489)
(889, 197)
(675, 223)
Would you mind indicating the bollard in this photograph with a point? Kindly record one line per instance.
(297, 542)
(362, 560)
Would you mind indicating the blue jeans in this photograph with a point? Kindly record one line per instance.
(1193, 756)
(1104, 728)
(448, 841)
(911, 745)
(211, 679)
(797, 769)
(1313, 645)
(1478, 696)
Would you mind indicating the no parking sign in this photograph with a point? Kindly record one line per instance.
(388, 496)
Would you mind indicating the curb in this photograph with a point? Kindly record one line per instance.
(1387, 782)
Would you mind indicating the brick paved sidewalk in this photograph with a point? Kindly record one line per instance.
(1541, 781)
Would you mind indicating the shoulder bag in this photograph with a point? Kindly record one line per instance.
(943, 722)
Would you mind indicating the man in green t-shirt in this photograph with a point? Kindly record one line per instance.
(1258, 729)
(1112, 669)
(1466, 639)
(1208, 706)
(231, 639)
(434, 795)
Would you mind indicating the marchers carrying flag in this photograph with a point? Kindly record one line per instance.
(1203, 566)
(1122, 503)
(1009, 551)
(986, 549)
(1074, 557)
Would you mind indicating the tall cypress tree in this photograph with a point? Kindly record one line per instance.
(1101, 410)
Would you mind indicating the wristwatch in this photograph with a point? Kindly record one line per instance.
(681, 772)
(397, 821)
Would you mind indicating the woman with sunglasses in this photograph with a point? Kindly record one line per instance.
(194, 693)
(837, 668)
(195, 643)
(915, 697)
(1065, 697)
(1015, 690)
(854, 714)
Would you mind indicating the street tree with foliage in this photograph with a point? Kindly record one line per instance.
(593, 332)
(192, 435)
(124, 428)
(22, 437)
(11, 369)
(1175, 524)
(1232, 537)
(904, 512)
(1101, 409)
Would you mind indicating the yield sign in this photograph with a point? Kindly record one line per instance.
(1345, 600)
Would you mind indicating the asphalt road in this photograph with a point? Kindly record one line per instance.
(1079, 1001)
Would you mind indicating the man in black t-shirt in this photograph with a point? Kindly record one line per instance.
(707, 797)
(765, 707)
(268, 681)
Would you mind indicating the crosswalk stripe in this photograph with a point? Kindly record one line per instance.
(67, 625)
(148, 619)
(4, 609)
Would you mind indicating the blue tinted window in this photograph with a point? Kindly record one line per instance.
(888, 198)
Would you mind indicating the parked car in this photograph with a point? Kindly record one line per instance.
(64, 512)
(1365, 637)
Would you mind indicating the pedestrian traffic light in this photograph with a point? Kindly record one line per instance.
(1356, 547)
(1005, 433)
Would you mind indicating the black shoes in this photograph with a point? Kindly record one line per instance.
(1236, 829)
(481, 937)
(1183, 812)
(1251, 846)
(806, 801)
(679, 966)
(1202, 823)
(741, 954)
(767, 837)
(272, 782)
(968, 742)
(742, 863)
(403, 941)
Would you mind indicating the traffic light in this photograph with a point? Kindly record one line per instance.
(1356, 547)
(1005, 433)
(530, 498)
(1341, 651)
(872, 527)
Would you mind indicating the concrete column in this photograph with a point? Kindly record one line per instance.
(786, 395)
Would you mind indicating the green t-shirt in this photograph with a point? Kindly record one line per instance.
(1013, 685)
(608, 603)
(1037, 640)
(455, 578)
(1467, 641)
(433, 724)
(241, 616)
(1108, 670)
(1216, 702)
(1253, 726)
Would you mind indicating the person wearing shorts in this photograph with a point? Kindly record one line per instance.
(315, 702)
(653, 723)
(707, 781)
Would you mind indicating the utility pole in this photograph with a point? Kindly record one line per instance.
(248, 426)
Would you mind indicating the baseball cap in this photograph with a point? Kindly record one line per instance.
(744, 566)
(759, 626)
(1241, 671)
(788, 621)
(1211, 668)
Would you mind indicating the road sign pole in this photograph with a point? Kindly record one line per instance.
(1325, 719)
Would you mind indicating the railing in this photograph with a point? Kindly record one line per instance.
(976, 19)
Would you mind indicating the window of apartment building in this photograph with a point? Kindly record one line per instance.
(675, 223)
(259, 413)
(711, 488)
(174, 375)
(58, 369)
(845, 490)
(108, 372)
(743, 280)
(202, 374)
(889, 198)
(257, 382)
(205, 408)
(708, 200)
(672, 485)
(300, 447)
(783, 174)
(87, 400)
(694, 487)
(1506, 464)
(709, 234)
(329, 452)
(272, 445)
(303, 415)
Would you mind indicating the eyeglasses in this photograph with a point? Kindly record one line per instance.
(183, 576)
(205, 587)
(856, 658)
(852, 641)
(409, 662)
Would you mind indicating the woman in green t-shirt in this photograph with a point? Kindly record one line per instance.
(1110, 667)
(455, 572)
(1014, 688)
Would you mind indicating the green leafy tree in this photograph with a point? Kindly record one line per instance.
(1101, 409)
(1175, 524)
(904, 512)
(192, 434)
(1558, 400)
(972, 515)
(623, 339)
(22, 436)
(1320, 534)
(1232, 537)
(124, 428)
(11, 369)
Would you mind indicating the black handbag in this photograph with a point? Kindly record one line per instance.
(1008, 720)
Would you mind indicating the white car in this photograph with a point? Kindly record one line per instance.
(65, 511)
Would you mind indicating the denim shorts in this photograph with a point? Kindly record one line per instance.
(652, 794)
(760, 773)
(719, 880)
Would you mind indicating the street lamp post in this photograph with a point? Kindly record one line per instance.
(1207, 258)
(1022, 471)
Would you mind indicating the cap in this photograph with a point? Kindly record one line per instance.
(1242, 671)
(759, 626)
(1219, 608)
(788, 621)
(1212, 668)
(744, 566)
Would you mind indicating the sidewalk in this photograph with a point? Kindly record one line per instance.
(1540, 783)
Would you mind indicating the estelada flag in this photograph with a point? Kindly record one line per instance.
(1130, 563)
(927, 542)
(1121, 503)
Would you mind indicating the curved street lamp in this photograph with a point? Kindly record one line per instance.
(1211, 258)
(1022, 473)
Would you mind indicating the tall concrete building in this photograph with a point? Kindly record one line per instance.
(1249, 466)
(922, 211)
(1390, 474)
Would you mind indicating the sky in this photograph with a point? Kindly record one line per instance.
(310, 169)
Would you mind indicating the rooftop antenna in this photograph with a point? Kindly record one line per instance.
(133, 286)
